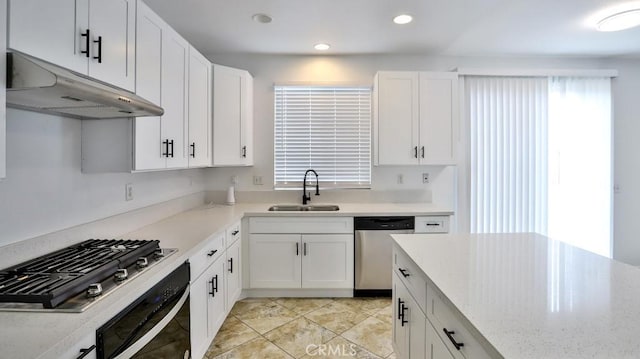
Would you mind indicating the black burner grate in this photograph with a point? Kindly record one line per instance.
(55, 277)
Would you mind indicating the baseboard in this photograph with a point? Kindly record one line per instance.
(297, 293)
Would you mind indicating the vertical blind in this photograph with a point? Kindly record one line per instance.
(325, 128)
(508, 149)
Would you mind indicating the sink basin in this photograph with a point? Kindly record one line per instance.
(303, 208)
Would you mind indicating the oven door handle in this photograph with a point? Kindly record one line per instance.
(145, 339)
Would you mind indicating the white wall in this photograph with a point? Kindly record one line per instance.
(626, 140)
(270, 69)
(45, 190)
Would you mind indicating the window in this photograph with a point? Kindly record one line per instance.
(325, 128)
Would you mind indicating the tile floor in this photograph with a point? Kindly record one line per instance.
(306, 328)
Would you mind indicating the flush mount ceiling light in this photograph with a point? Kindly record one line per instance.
(321, 47)
(262, 18)
(620, 21)
(403, 19)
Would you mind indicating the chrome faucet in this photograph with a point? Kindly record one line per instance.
(306, 197)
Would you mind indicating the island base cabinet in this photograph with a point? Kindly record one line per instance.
(435, 348)
(409, 324)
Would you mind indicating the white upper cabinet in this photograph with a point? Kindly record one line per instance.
(199, 143)
(175, 62)
(232, 117)
(414, 118)
(92, 37)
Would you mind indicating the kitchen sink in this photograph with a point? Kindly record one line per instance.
(304, 208)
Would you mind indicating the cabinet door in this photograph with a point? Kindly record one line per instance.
(216, 300)
(246, 123)
(227, 113)
(275, 260)
(199, 146)
(400, 331)
(435, 348)
(175, 59)
(397, 121)
(113, 26)
(438, 94)
(51, 30)
(327, 261)
(198, 301)
(417, 322)
(148, 147)
(233, 276)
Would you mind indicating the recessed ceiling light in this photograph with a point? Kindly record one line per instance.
(321, 47)
(620, 21)
(262, 18)
(403, 19)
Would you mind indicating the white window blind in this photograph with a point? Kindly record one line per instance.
(325, 128)
(508, 149)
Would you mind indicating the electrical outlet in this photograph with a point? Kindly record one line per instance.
(400, 178)
(128, 192)
(257, 180)
(425, 178)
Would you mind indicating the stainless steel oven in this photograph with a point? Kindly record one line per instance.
(156, 325)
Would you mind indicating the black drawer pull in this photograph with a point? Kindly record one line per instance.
(422, 155)
(400, 304)
(235, 232)
(193, 149)
(214, 286)
(99, 42)
(166, 148)
(297, 248)
(85, 351)
(415, 152)
(244, 151)
(404, 272)
(230, 265)
(210, 254)
(433, 224)
(453, 341)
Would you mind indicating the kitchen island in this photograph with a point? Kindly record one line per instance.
(519, 296)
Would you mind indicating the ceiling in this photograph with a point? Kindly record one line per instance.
(440, 27)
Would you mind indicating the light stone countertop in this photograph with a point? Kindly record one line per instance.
(27, 335)
(532, 297)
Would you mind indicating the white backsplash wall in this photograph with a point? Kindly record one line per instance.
(46, 191)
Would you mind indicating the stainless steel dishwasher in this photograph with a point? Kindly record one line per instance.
(373, 247)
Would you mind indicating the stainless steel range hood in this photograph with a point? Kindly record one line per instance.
(36, 85)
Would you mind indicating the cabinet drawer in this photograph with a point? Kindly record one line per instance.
(411, 276)
(442, 317)
(326, 225)
(234, 232)
(213, 249)
(432, 224)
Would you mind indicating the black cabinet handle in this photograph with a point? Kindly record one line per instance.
(415, 152)
(214, 286)
(453, 341)
(297, 248)
(404, 272)
(99, 42)
(87, 43)
(402, 319)
(400, 304)
(193, 149)
(235, 232)
(85, 351)
(230, 265)
(422, 151)
(304, 249)
(171, 144)
(244, 151)
(210, 254)
(165, 143)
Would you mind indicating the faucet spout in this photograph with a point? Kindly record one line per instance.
(306, 197)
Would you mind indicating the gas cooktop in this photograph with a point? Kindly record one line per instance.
(73, 278)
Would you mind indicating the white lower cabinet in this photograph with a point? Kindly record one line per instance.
(298, 252)
(207, 307)
(86, 346)
(434, 346)
(233, 276)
